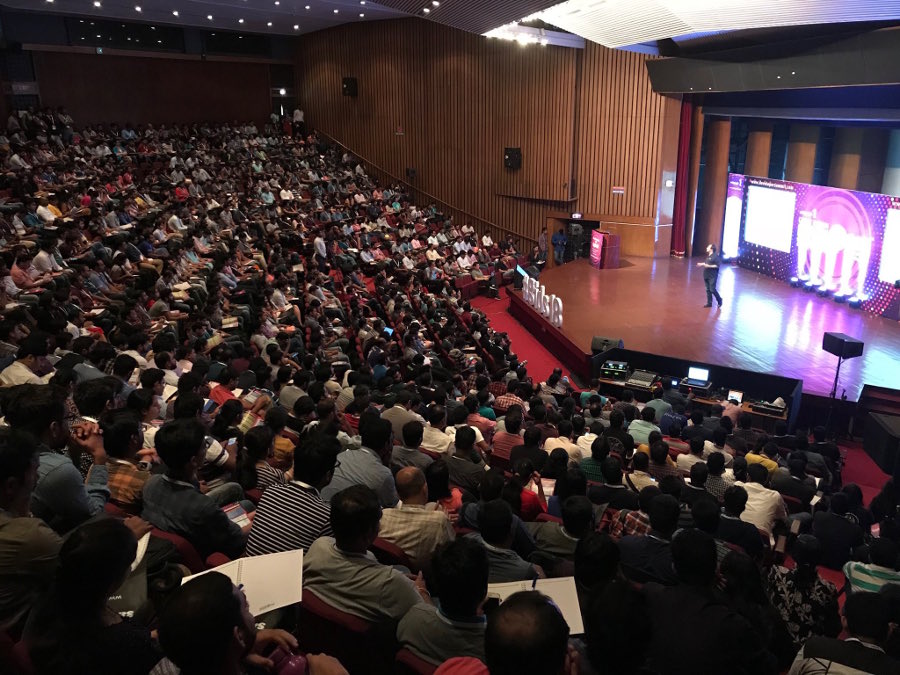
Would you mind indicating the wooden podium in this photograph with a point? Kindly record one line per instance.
(604, 249)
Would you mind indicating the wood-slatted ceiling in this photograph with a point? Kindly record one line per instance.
(475, 16)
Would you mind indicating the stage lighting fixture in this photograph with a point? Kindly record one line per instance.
(795, 281)
(839, 297)
(897, 283)
(822, 291)
(855, 302)
(810, 285)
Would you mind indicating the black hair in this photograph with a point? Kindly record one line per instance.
(460, 573)
(495, 521)
(91, 397)
(694, 557)
(412, 434)
(119, 427)
(526, 634)
(868, 616)
(355, 512)
(34, 407)
(18, 452)
(577, 515)
(179, 441)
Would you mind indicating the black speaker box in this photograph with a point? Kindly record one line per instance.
(604, 344)
(512, 158)
(410, 173)
(842, 345)
(349, 86)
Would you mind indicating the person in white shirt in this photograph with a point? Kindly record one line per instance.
(44, 261)
(44, 212)
(765, 507)
(486, 240)
(463, 261)
(686, 461)
(21, 371)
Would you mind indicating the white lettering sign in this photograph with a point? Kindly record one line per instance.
(549, 305)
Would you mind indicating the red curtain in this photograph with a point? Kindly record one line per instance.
(679, 210)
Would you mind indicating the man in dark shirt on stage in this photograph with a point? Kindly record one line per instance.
(711, 274)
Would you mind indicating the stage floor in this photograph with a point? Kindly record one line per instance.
(765, 325)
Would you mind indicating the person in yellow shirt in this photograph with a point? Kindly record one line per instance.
(769, 457)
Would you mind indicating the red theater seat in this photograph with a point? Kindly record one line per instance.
(407, 663)
(388, 553)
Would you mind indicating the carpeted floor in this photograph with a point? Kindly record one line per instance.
(859, 467)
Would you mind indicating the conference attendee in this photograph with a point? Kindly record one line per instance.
(492, 487)
(509, 437)
(867, 619)
(711, 275)
(768, 457)
(881, 569)
(613, 493)
(435, 436)
(409, 454)
(661, 465)
(559, 241)
(540, 415)
(467, 469)
(564, 441)
(123, 441)
(719, 443)
(695, 489)
(794, 481)
(640, 476)
(617, 431)
(818, 613)
(173, 502)
(495, 523)
(455, 627)
(560, 539)
(400, 413)
(648, 557)
(660, 406)
(685, 462)
(765, 507)
(367, 465)
(839, 535)
(714, 420)
(693, 629)
(641, 429)
(415, 525)
(696, 428)
(22, 371)
(584, 435)
(342, 572)
(205, 628)
(733, 528)
(635, 521)
(28, 547)
(530, 450)
(706, 515)
(718, 479)
(62, 498)
(744, 433)
(294, 515)
(72, 630)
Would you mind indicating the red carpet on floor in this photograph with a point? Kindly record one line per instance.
(859, 467)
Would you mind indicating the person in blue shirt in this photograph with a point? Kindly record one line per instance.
(559, 241)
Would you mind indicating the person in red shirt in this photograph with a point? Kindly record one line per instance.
(533, 504)
(222, 392)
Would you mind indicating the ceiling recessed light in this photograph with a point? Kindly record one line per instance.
(296, 26)
(159, 42)
(362, 2)
(282, 92)
(277, 3)
(240, 37)
(50, 1)
(137, 8)
(175, 13)
(240, 21)
(435, 3)
(269, 24)
(361, 15)
(426, 10)
(151, 27)
(336, 11)
(129, 39)
(778, 77)
(97, 3)
(209, 17)
(82, 38)
(307, 7)
(99, 36)
(793, 72)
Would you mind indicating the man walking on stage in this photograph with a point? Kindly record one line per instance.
(711, 274)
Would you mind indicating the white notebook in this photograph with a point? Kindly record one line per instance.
(562, 591)
(270, 581)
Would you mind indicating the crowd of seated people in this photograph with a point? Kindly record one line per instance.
(206, 320)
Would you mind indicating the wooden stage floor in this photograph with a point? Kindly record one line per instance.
(765, 325)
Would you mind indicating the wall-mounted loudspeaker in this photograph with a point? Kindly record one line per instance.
(512, 158)
(349, 86)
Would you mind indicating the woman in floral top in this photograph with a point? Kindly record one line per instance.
(807, 603)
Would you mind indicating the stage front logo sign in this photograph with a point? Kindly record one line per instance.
(548, 305)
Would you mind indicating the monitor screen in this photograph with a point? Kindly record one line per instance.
(770, 217)
(735, 395)
(699, 374)
(521, 270)
(615, 365)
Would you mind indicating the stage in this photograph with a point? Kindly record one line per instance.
(765, 325)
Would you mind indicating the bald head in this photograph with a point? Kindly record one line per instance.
(411, 486)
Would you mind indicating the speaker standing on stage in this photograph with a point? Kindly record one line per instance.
(711, 274)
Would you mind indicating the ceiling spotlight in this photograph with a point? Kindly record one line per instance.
(240, 21)
(209, 17)
(50, 1)
(336, 11)
(159, 42)
(97, 3)
(361, 15)
(282, 92)
(269, 24)
(435, 3)
(277, 2)
(137, 8)
(82, 38)
(99, 36)
(296, 26)
(426, 10)
(362, 2)
(307, 7)
(175, 13)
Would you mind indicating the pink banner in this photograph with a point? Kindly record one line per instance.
(596, 247)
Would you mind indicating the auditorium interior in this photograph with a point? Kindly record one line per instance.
(449, 337)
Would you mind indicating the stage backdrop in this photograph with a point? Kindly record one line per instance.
(841, 241)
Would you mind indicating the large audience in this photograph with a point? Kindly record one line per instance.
(222, 341)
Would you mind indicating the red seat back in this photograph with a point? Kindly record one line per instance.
(388, 553)
(189, 555)
(547, 518)
(407, 663)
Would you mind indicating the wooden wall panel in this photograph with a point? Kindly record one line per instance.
(460, 99)
(109, 88)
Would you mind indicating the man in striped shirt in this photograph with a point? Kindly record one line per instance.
(293, 515)
(880, 570)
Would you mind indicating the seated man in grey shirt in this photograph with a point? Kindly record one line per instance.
(409, 454)
(496, 536)
(460, 574)
(343, 573)
(367, 465)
